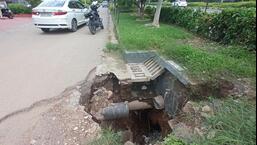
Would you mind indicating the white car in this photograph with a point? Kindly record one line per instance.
(66, 14)
(179, 3)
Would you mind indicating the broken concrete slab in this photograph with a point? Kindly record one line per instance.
(114, 65)
(154, 73)
(142, 66)
(174, 68)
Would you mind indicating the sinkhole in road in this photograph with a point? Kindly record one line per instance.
(118, 106)
(142, 127)
(142, 105)
(140, 111)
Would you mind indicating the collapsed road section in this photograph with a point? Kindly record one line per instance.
(142, 93)
(138, 95)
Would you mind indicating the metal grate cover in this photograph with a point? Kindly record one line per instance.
(145, 72)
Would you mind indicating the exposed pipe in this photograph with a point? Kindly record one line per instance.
(121, 110)
(137, 105)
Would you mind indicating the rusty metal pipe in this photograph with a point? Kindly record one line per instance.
(137, 105)
(121, 110)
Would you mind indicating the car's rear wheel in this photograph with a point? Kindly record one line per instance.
(74, 26)
(45, 30)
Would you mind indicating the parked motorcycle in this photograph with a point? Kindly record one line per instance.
(6, 12)
(95, 21)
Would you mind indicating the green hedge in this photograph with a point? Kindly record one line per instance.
(19, 9)
(232, 26)
(250, 4)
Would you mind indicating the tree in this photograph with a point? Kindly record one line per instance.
(141, 7)
(157, 14)
(207, 5)
(34, 3)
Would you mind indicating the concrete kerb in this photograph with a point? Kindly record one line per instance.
(23, 15)
(113, 34)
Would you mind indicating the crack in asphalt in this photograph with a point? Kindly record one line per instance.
(27, 109)
(47, 101)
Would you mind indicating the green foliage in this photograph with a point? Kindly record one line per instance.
(19, 9)
(108, 137)
(234, 123)
(250, 4)
(111, 7)
(85, 2)
(232, 26)
(112, 47)
(171, 140)
(172, 42)
(34, 3)
(165, 3)
(125, 3)
(150, 10)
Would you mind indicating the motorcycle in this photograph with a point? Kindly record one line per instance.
(6, 12)
(95, 21)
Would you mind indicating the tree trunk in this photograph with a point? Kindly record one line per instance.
(157, 14)
(207, 5)
(142, 13)
(138, 12)
(138, 8)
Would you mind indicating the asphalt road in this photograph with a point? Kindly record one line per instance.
(35, 65)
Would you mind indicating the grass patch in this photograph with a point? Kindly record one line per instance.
(108, 137)
(172, 42)
(234, 123)
(172, 140)
(112, 47)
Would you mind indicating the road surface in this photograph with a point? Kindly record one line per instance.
(36, 65)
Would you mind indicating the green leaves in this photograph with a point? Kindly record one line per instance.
(19, 9)
(232, 26)
(171, 140)
(108, 137)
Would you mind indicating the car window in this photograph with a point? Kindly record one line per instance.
(52, 3)
(72, 5)
(80, 5)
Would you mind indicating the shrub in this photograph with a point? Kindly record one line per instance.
(250, 4)
(231, 26)
(150, 10)
(108, 137)
(112, 47)
(19, 9)
(172, 140)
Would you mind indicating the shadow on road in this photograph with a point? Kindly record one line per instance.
(63, 31)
